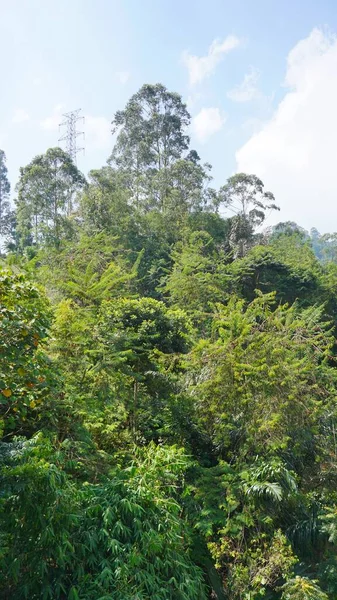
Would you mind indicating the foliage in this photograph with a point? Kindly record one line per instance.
(26, 376)
(244, 195)
(252, 383)
(151, 134)
(167, 379)
(287, 265)
(198, 276)
(4, 193)
(141, 340)
(121, 538)
(302, 588)
(45, 200)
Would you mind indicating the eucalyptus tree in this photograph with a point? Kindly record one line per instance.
(151, 137)
(45, 201)
(244, 195)
(4, 192)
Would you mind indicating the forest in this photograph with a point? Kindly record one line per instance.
(168, 380)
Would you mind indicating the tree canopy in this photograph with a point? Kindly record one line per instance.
(168, 406)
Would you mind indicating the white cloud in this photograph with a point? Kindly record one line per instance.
(123, 77)
(97, 133)
(207, 122)
(200, 67)
(192, 100)
(295, 152)
(52, 122)
(247, 90)
(20, 116)
(3, 139)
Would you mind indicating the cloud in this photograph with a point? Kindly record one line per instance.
(123, 77)
(295, 152)
(247, 90)
(200, 67)
(207, 122)
(97, 133)
(52, 122)
(192, 100)
(20, 116)
(3, 139)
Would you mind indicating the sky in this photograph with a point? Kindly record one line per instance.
(259, 78)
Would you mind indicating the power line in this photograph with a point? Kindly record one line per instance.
(70, 137)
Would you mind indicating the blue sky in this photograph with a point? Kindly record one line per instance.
(260, 78)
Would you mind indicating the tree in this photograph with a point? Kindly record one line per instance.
(302, 588)
(237, 508)
(45, 200)
(151, 136)
(151, 129)
(245, 196)
(26, 375)
(10, 231)
(134, 338)
(4, 193)
(168, 416)
(104, 205)
(288, 228)
(261, 385)
(286, 265)
(121, 537)
(197, 278)
(325, 247)
(88, 270)
(182, 189)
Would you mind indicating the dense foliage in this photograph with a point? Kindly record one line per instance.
(168, 382)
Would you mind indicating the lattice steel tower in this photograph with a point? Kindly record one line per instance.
(70, 137)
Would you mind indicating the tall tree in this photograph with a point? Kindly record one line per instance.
(181, 189)
(151, 135)
(4, 192)
(46, 191)
(244, 195)
(104, 206)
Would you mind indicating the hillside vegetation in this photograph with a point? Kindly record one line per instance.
(168, 396)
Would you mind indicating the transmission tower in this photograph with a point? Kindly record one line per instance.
(70, 137)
